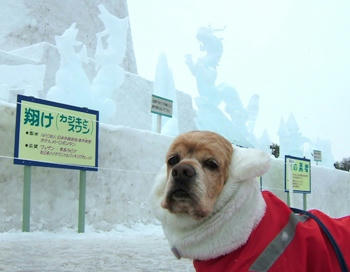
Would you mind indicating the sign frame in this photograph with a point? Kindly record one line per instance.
(286, 158)
(30, 162)
(317, 154)
(159, 112)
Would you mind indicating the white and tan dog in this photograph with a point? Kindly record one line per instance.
(207, 189)
(208, 200)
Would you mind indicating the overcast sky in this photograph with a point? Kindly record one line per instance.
(294, 54)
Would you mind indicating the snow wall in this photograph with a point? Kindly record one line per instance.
(118, 193)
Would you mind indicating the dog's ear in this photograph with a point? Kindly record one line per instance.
(248, 163)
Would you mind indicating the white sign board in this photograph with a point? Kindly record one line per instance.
(162, 106)
(317, 155)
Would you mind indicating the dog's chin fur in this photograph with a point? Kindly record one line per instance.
(238, 209)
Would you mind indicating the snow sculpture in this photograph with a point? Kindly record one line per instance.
(205, 68)
(219, 106)
(164, 86)
(264, 142)
(293, 143)
(72, 83)
(110, 52)
(290, 138)
(252, 110)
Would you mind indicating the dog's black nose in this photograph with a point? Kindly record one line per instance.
(183, 171)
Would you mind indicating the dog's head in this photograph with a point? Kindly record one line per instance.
(197, 168)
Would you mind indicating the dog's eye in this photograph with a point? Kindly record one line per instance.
(211, 164)
(173, 160)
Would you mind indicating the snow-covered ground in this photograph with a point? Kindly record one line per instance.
(141, 248)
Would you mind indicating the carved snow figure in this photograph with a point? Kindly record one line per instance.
(72, 84)
(290, 138)
(219, 106)
(110, 52)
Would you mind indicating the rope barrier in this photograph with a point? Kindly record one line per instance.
(92, 167)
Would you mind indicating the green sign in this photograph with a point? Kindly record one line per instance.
(317, 155)
(162, 106)
(299, 171)
(55, 135)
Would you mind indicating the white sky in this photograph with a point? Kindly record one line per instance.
(294, 54)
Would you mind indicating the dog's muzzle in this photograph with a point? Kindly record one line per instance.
(183, 176)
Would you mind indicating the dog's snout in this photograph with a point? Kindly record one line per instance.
(183, 171)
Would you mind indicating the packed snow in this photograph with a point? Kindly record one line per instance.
(141, 248)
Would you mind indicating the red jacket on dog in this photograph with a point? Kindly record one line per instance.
(286, 242)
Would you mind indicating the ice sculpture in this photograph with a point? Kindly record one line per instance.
(164, 86)
(110, 52)
(219, 106)
(205, 68)
(264, 142)
(72, 84)
(252, 110)
(291, 140)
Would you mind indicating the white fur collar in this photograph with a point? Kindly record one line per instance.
(238, 210)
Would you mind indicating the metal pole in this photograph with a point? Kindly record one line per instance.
(261, 184)
(304, 201)
(82, 196)
(159, 123)
(26, 198)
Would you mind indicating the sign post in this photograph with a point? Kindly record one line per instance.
(26, 198)
(56, 135)
(162, 107)
(261, 184)
(159, 123)
(297, 177)
(82, 196)
(304, 201)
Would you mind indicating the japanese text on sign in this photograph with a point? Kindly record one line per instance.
(162, 106)
(53, 133)
(317, 155)
(299, 169)
(36, 118)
